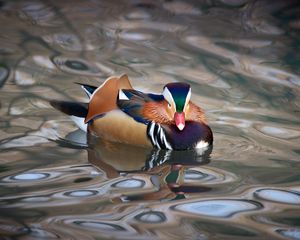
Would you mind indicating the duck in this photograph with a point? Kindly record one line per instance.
(117, 112)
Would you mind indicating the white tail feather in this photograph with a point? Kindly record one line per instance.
(80, 123)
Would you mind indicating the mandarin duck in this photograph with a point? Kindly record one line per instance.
(116, 112)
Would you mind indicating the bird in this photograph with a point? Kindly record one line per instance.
(117, 112)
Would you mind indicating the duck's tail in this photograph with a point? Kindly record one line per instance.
(102, 99)
(89, 90)
(76, 110)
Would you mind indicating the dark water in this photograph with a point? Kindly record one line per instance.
(242, 60)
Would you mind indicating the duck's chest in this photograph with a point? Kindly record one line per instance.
(117, 126)
(195, 135)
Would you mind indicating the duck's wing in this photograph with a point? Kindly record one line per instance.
(104, 98)
(132, 102)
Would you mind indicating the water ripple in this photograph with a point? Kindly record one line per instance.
(129, 183)
(65, 41)
(4, 73)
(29, 177)
(107, 229)
(278, 195)
(81, 193)
(76, 66)
(99, 226)
(278, 132)
(136, 36)
(151, 217)
(39, 233)
(208, 175)
(248, 66)
(289, 233)
(39, 14)
(138, 14)
(220, 208)
(40, 176)
(181, 7)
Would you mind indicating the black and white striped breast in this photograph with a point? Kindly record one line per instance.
(194, 136)
(157, 136)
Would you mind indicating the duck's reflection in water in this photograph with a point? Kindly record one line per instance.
(151, 194)
(165, 168)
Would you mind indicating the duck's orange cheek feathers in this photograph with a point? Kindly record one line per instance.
(156, 112)
(170, 111)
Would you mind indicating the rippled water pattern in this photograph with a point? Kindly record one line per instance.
(242, 60)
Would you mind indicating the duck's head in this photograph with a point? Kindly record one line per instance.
(177, 96)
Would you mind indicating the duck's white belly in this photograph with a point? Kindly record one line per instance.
(117, 126)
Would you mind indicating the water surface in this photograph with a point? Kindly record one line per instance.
(242, 60)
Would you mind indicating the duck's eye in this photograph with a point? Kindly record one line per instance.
(169, 105)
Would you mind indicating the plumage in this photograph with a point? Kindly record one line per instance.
(193, 133)
(71, 108)
(104, 97)
(158, 137)
(179, 93)
(119, 113)
(89, 90)
(117, 126)
(135, 104)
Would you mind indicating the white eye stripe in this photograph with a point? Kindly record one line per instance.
(168, 96)
(188, 97)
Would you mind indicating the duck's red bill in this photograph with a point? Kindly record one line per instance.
(179, 120)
